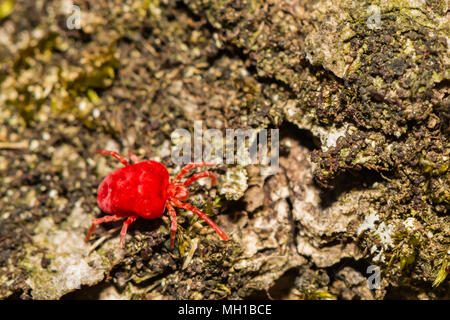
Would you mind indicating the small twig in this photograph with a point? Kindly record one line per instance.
(187, 261)
(102, 239)
(153, 286)
(14, 145)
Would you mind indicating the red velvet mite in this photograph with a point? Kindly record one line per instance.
(143, 189)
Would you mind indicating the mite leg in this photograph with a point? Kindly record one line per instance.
(173, 227)
(133, 157)
(202, 215)
(191, 166)
(203, 174)
(123, 232)
(100, 221)
(115, 155)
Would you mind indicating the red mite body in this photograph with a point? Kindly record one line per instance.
(139, 189)
(144, 190)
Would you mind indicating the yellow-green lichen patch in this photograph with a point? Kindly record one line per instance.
(234, 183)
(70, 261)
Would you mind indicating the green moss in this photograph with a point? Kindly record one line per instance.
(442, 274)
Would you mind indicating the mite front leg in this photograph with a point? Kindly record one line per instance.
(191, 166)
(203, 174)
(173, 227)
(202, 215)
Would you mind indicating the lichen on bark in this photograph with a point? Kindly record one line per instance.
(358, 89)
